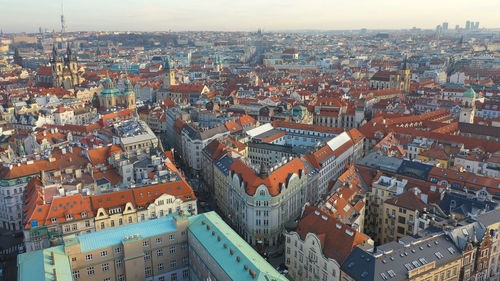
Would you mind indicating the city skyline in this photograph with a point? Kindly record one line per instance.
(223, 15)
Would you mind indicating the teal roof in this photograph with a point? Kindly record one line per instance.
(114, 236)
(109, 92)
(38, 265)
(228, 263)
(470, 93)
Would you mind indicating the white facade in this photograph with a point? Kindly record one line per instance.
(305, 259)
(261, 217)
(167, 204)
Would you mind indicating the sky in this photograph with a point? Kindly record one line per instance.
(243, 15)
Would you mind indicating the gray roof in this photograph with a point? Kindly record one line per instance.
(489, 218)
(385, 163)
(474, 231)
(204, 134)
(393, 261)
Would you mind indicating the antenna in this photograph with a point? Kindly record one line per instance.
(63, 23)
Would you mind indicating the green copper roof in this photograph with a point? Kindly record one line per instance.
(109, 92)
(227, 262)
(470, 93)
(38, 265)
(114, 236)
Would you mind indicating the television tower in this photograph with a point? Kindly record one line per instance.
(63, 23)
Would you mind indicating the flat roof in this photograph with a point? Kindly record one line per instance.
(114, 236)
(38, 265)
(228, 263)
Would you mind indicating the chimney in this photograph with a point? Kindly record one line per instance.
(54, 270)
(264, 171)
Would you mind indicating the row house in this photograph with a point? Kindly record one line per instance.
(50, 218)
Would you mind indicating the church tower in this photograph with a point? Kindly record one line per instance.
(218, 64)
(128, 95)
(468, 109)
(169, 75)
(65, 72)
(405, 76)
(57, 68)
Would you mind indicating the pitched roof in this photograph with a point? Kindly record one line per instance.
(407, 200)
(100, 155)
(338, 239)
(146, 195)
(273, 182)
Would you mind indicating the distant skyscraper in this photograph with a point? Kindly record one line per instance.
(63, 22)
(457, 27)
(476, 27)
(445, 26)
(467, 25)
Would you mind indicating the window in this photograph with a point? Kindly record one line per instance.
(120, 221)
(173, 277)
(102, 225)
(119, 263)
(67, 228)
(147, 271)
(105, 266)
(118, 250)
(88, 257)
(401, 230)
(76, 274)
(74, 227)
(159, 240)
(160, 267)
(147, 256)
(184, 246)
(107, 279)
(159, 253)
(87, 223)
(185, 261)
(104, 253)
(145, 243)
(171, 237)
(73, 259)
(173, 264)
(112, 223)
(172, 250)
(90, 270)
(401, 219)
(185, 273)
(121, 277)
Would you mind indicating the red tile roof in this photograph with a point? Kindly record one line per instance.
(273, 182)
(337, 239)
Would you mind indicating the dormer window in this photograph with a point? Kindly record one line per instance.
(53, 220)
(114, 211)
(69, 217)
(84, 214)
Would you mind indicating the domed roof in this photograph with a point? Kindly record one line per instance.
(109, 89)
(470, 93)
(128, 88)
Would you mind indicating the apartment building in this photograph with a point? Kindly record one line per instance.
(260, 203)
(433, 257)
(216, 252)
(319, 245)
(401, 216)
(50, 218)
(171, 248)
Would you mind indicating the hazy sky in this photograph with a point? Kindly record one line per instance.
(180, 15)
